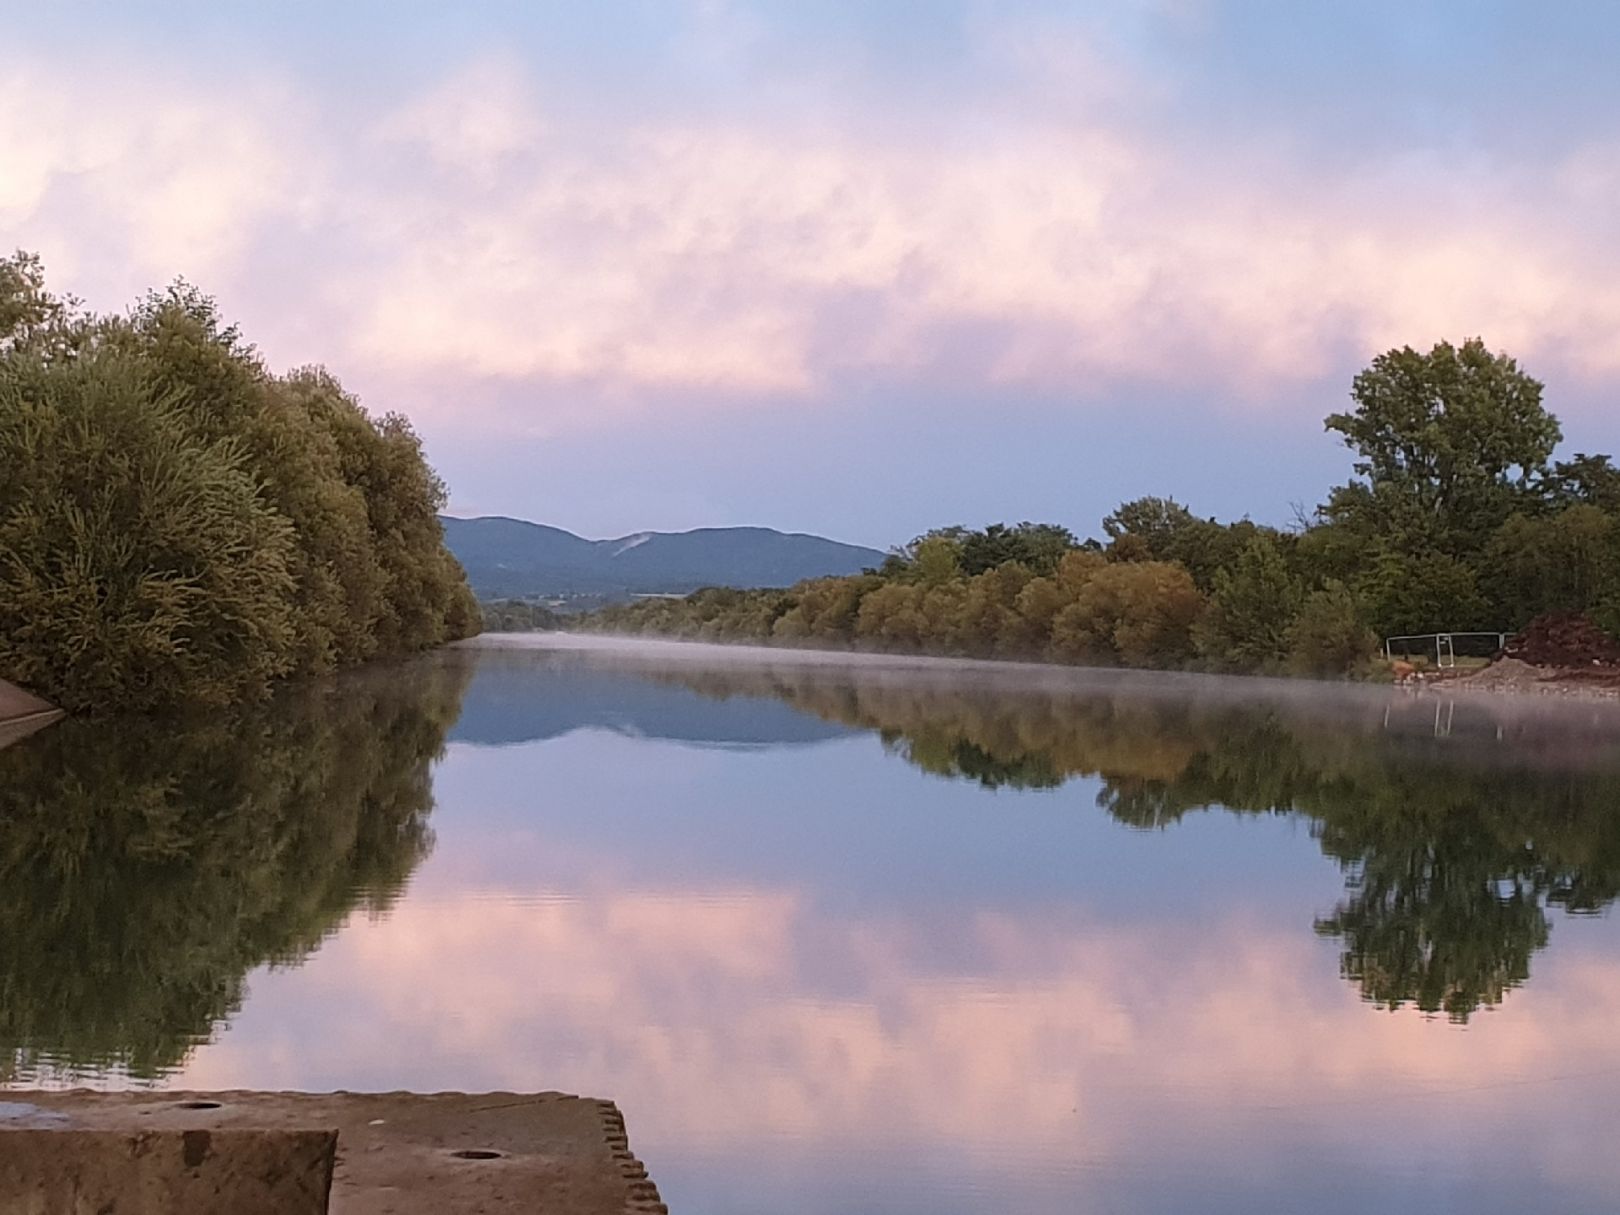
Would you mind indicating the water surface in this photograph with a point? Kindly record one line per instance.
(886, 937)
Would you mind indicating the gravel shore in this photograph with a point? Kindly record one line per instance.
(1511, 676)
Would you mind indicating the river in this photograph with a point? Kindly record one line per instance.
(862, 936)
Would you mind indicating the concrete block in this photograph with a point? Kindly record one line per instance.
(62, 1171)
(397, 1153)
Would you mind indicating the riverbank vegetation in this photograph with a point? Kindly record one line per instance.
(518, 616)
(1458, 518)
(180, 525)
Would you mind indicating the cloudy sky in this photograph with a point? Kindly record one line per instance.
(858, 268)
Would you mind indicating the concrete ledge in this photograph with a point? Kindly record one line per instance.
(14, 702)
(21, 713)
(21, 727)
(151, 1172)
(397, 1153)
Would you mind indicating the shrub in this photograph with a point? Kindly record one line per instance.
(1251, 611)
(1330, 635)
(137, 560)
(179, 525)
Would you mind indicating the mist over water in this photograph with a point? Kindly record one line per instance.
(1507, 719)
(867, 933)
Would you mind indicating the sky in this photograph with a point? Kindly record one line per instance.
(858, 268)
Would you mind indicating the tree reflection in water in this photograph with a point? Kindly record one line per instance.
(1455, 843)
(149, 864)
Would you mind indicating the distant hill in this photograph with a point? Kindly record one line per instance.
(510, 557)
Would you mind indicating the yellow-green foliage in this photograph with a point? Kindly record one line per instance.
(178, 525)
(1087, 610)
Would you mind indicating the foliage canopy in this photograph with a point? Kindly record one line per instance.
(179, 525)
(1458, 518)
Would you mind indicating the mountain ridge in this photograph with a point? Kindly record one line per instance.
(507, 557)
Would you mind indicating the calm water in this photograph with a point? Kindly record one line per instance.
(863, 939)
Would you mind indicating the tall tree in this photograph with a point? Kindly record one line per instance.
(1585, 480)
(1036, 546)
(1157, 523)
(1447, 442)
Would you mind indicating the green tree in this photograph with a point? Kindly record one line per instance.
(1158, 523)
(825, 609)
(30, 316)
(339, 585)
(1425, 592)
(936, 559)
(1037, 547)
(1252, 610)
(137, 561)
(1584, 481)
(1567, 562)
(1139, 614)
(987, 621)
(1448, 443)
(891, 618)
(178, 524)
(1161, 529)
(1331, 636)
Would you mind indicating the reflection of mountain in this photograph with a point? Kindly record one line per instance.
(149, 865)
(1455, 840)
(521, 696)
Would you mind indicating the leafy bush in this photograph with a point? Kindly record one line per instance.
(178, 525)
(1251, 611)
(1330, 635)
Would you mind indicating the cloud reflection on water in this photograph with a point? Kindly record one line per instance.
(910, 1009)
(817, 977)
(709, 1016)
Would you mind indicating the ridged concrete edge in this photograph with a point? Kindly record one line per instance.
(642, 1196)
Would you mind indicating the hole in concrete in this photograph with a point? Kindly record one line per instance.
(199, 1105)
(476, 1154)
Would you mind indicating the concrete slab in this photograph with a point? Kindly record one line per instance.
(14, 702)
(400, 1153)
(21, 713)
(19, 728)
(149, 1172)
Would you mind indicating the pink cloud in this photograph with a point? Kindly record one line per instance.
(463, 233)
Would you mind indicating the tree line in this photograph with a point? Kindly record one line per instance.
(180, 525)
(1457, 518)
